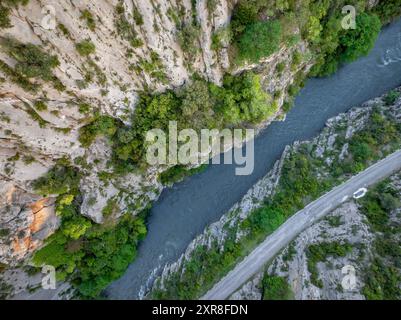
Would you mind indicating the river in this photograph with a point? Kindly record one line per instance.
(184, 210)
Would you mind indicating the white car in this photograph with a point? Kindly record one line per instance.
(360, 193)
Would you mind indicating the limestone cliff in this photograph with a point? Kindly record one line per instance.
(137, 47)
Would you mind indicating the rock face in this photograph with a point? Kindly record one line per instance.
(137, 47)
(25, 221)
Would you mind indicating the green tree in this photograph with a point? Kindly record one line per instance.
(245, 13)
(259, 40)
(387, 9)
(75, 228)
(355, 43)
(313, 29)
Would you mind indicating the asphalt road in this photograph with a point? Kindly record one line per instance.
(299, 222)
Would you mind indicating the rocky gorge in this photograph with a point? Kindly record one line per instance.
(70, 67)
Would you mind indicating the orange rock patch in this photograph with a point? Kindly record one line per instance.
(40, 218)
(21, 246)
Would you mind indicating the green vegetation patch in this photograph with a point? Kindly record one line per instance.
(387, 10)
(188, 39)
(319, 253)
(336, 45)
(85, 47)
(382, 277)
(35, 116)
(5, 8)
(58, 180)
(124, 28)
(276, 288)
(179, 173)
(89, 255)
(259, 40)
(89, 19)
(153, 68)
(317, 22)
(40, 105)
(32, 62)
(392, 97)
(241, 100)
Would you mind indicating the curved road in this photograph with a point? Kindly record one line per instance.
(297, 223)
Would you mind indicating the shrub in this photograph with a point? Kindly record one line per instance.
(287, 105)
(221, 38)
(4, 19)
(381, 277)
(178, 173)
(244, 100)
(265, 220)
(375, 206)
(319, 253)
(56, 255)
(388, 202)
(85, 47)
(391, 97)
(103, 125)
(64, 29)
(188, 39)
(17, 78)
(40, 105)
(355, 43)
(75, 228)
(84, 108)
(4, 232)
(124, 28)
(387, 9)
(382, 281)
(296, 59)
(5, 8)
(245, 13)
(31, 61)
(58, 180)
(90, 255)
(88, 17)
(276, 288)
(259, 40)
(137, 16)
(280, 67)
(197, 103)
(314, 29)
(104, 263)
